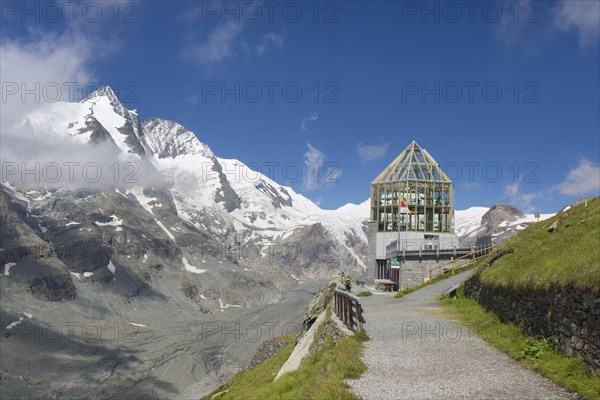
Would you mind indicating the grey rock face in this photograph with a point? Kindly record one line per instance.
(27, 260)
(278, 200)
(226, 195)
(497, 222)
(499, 213)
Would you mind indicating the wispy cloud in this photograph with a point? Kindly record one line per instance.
(50, 59)
(535, 22)
(512, 32)
(220, 44)
(583, 179)
(524, 200)
(268, 41)
(33, 129)
(581, 16)
(370, 152)
(317, 172)
(471, 186)
(304, 125)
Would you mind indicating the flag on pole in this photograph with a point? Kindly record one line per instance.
(403, 208)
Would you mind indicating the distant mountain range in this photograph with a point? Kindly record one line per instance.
(499, 221)
(166, 197)
(139, 223)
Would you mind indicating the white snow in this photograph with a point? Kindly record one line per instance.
(144, 200)
(115, 222)
(169, 234)
(7, 268)
(145, 203)
(225, 306)
(15, 323)
(87, 274)
(361, 210)
(111, 267)
(28, 315)
(134, 324)
(72, 223)
(191, 268)
(119, 192)
(104, 112)
(468, 220)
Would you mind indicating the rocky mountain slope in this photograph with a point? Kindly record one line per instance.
(500, 222)
(142, 239)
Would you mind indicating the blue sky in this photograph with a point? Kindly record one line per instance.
(505, 95)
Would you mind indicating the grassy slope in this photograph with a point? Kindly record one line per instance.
(533, 353)
(570, 256)
(536, 258)
(321, 376)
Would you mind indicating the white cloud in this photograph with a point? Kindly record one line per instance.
(582, 16)
(313, 161)
(513, 32)
(52, 61)
(583, 179)
(269, 40)
(511, 190)
(317, 172)
(306, 120)
(219, 46)
(32, 127)
(370, 152)
(520, 199)
(523, 22)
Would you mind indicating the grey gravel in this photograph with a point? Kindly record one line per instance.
(416, 354)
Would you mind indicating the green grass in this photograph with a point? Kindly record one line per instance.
(364, 293)
(537, 354)
(570, 256)
(320, 376)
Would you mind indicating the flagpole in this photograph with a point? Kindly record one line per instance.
(398, 241)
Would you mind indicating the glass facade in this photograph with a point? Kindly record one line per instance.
(413, 194)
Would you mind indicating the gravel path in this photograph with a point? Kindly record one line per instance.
(415, 355)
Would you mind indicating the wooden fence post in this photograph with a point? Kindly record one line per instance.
(349, 309)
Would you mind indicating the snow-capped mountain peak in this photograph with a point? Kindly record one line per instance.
(104, 91)
(499, 221)
(120, 123)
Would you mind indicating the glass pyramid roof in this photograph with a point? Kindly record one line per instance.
(415, 164)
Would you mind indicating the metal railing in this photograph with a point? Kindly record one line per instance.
(472, 255)
(348, 309)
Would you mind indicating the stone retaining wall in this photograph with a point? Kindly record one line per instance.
(567, 316)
